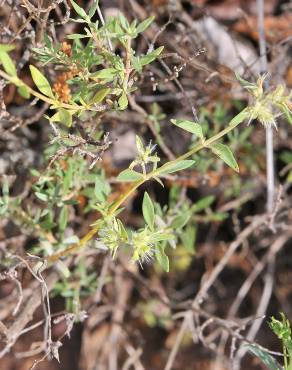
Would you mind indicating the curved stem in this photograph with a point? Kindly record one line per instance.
(155, 173)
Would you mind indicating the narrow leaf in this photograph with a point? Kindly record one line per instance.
(41, 196)
(78, 10)
(193, 127)
(158, 237)
(99, 96)
(189, 238)
(148, 210)
(180, 220)
(77, 36)
(22, 91)
(240, 117)
(6, 47)
(5, 187)
(163, 260)
(176, 166)
(65, 117)
(129, 175)
(63, 219)
(150, 57)
(93, 8)
(106, 73)
(264, 356)
(224, 153)
(203, 203)
(145, 24)
(41, 82)
(101, 190)
(123, 101)
(8, 64)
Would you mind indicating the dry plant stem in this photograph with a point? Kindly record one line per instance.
(134, 358)
(266, 296)
(231, 250)
(269, 130)
(137, 184)
(210, 281)
(26, 313)
(246, 286)
(179, 338)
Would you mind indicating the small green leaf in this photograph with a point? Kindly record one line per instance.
(180, 220)
(150, 57)
(122, 230)
(163, 260)
(189, 238)
(106, 73)
(47, 41)
(65, 117)
(63, 269)
(63, 219)
(145, 24)
(100, 189)
(218, 216)
(4, 200)
(244, 82)
(77, 36)
(23, 91)
(99, 96)
(93, 8)
(158, 237)
(41, 82)
(8, 64)
(5, 188)
(224, 153)
(287, 112)
(203, 203)
(240, 117)
(286, 156)
(175, 166)
(139, 145)
(124, 22)
(264, 356)
(129, 176)
(78, 10)
(6, 48)
(123, 101)
(41, 196)
(193, 127)
(148, 210)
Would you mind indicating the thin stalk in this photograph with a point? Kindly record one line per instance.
(269, 130)
(127, 63)
(155, 173)
(16, 81)
(150, 175)
(285, 357)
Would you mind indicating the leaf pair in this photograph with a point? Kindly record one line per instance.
(129, 175)
(221, 150)
(41, 82)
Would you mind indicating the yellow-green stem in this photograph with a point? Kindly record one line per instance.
(154, 173)
(16, 81)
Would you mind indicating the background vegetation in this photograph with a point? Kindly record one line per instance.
(144, 221)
